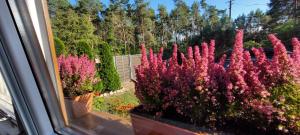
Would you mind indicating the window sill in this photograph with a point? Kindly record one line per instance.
(96, 123)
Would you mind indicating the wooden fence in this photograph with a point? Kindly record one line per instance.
(125, 65)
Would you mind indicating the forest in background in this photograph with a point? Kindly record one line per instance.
(81, 28)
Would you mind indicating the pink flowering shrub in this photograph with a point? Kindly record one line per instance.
(77, 74)
(258, 91)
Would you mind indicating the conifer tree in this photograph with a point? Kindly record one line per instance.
(107, 70)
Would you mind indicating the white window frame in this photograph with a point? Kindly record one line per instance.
(28, 76)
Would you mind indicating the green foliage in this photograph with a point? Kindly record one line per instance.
(162, 31)
(91, 7)
(255, 25)
(70, 28)
(181, 16)
(87, 86)
(98, 87)
(119, 104)
(118, 27)
(60, 47)
(56, 5)
(240, 21)
(250, 44)
(65, 26)
(145, 24)
(107, 70)
(83, 47)
(266, 44)
(125, 25)
(285, 31)
(281, 10)
(287, 98)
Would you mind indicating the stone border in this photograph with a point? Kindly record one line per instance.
(112, 93)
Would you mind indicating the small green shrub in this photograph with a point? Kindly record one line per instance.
(98, 87)
(99, 104)
(83, 47)
(287, 98)
(107, 70)
(60, 47)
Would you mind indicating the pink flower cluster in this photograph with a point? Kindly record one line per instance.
(163, 84)
(75, 72)
(201, 87)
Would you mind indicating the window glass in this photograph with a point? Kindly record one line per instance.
(194, 64)
(9, 124)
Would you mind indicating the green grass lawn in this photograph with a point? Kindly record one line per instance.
(118, 104)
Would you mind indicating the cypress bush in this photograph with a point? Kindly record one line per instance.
(83, 47)
(60, 47)
(107, 70)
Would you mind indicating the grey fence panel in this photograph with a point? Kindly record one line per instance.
(135, 61)
(125, 65)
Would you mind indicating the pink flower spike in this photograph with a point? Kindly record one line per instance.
(190, 53)
(197, 55)
(174, 54)
(211, 52)
(151, 55)
(144, 59)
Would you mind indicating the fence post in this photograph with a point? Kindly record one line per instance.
(123, 68)
(130, 66)
(115, 61)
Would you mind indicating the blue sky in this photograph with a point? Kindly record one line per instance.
(239, 6)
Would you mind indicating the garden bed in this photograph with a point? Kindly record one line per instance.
(117, 104)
